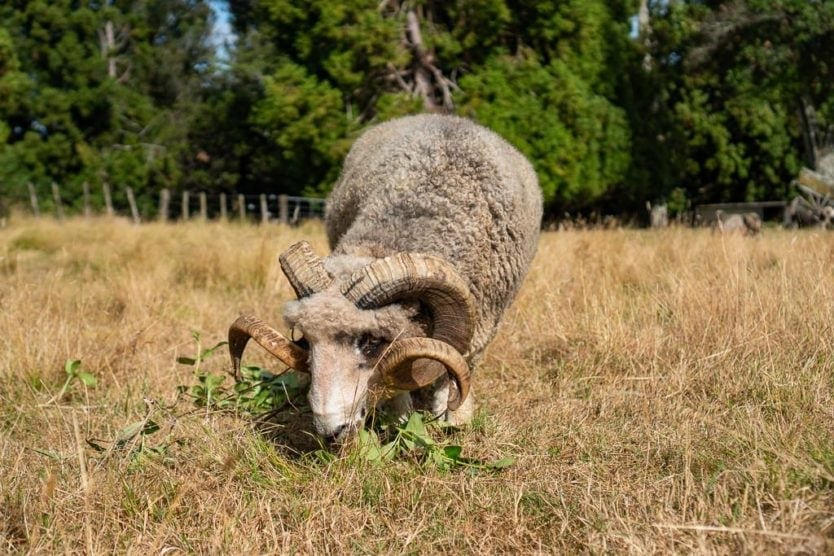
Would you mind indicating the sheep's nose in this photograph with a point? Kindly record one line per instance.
(336, 435)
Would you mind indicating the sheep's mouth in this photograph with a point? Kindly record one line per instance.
(343, 435)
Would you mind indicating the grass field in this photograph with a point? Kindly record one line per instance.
(659, 392)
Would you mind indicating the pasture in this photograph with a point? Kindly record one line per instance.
(667, 391)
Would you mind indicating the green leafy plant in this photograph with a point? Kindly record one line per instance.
(75, 374)
(133, 440)
(201, 354)
(258, 391)
(413, 439)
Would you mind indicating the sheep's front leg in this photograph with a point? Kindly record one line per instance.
(397, 407)
(435, 399)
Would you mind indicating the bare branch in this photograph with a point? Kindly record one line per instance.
(427, 76)
(397, 75)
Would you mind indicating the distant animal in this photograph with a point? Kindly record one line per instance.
(432, 224)
(748, 223)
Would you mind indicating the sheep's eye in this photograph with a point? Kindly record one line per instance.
(370, 345)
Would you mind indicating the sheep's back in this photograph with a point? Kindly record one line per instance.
(445, 186)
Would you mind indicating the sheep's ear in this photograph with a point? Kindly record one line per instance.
(415, 375)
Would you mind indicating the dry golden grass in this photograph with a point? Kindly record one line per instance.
(661, 392)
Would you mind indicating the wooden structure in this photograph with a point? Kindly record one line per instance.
(705, 215)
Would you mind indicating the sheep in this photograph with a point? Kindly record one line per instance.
(432, 225)
(748, 223)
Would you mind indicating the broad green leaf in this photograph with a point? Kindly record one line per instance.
(71, 366)
(150, 427)
(502, 463)
(88, 379)
(207, 352)
(415, 425)
(130, 431)
(452, 452)
(390, 451)
(212, 381)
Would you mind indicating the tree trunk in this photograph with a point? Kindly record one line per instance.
(427, 76)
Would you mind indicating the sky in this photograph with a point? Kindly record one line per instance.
(222, 34)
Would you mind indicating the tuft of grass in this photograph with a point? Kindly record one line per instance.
(659, 392)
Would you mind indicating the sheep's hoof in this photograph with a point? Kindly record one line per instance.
(462, 415)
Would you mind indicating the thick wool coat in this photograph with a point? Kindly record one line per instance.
(444, 186)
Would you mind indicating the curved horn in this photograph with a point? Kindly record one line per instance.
(416, 277)
(411, 363)
(304, 270)
(245, 327)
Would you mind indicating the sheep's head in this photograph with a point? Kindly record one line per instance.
(359, 336)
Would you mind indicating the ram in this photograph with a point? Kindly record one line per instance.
(432, 225)
(748, 223)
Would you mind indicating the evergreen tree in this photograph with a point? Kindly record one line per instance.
(539, 73)
(100, 92)
(737, 81)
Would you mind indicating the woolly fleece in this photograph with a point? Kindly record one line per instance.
(445, 186)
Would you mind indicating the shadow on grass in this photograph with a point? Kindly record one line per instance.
(290, 430)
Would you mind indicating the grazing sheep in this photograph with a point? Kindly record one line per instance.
(432, 225)
(748, 223)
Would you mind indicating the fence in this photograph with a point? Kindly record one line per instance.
(263, 207)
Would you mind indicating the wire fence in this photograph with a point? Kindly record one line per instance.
(257, 208)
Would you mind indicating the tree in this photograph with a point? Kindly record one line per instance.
(540, 73)
(101, 92)
(737, 83)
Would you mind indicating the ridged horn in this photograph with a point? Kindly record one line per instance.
(416, 277)
(411, 363)
(247, 326)
(304, 270)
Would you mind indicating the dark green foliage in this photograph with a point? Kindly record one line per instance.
(539, 73)
(100, 92)
(720, 101)
(732, 82)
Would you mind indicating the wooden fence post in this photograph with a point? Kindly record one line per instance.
(56, 196)
(264, 209)
(164, 202)
(86, 193)
(241, 206)
(108, 199)
(134, 210)
(203, 206)
(33, 198)
(185, 211)
(283, 209)
(222, 206)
